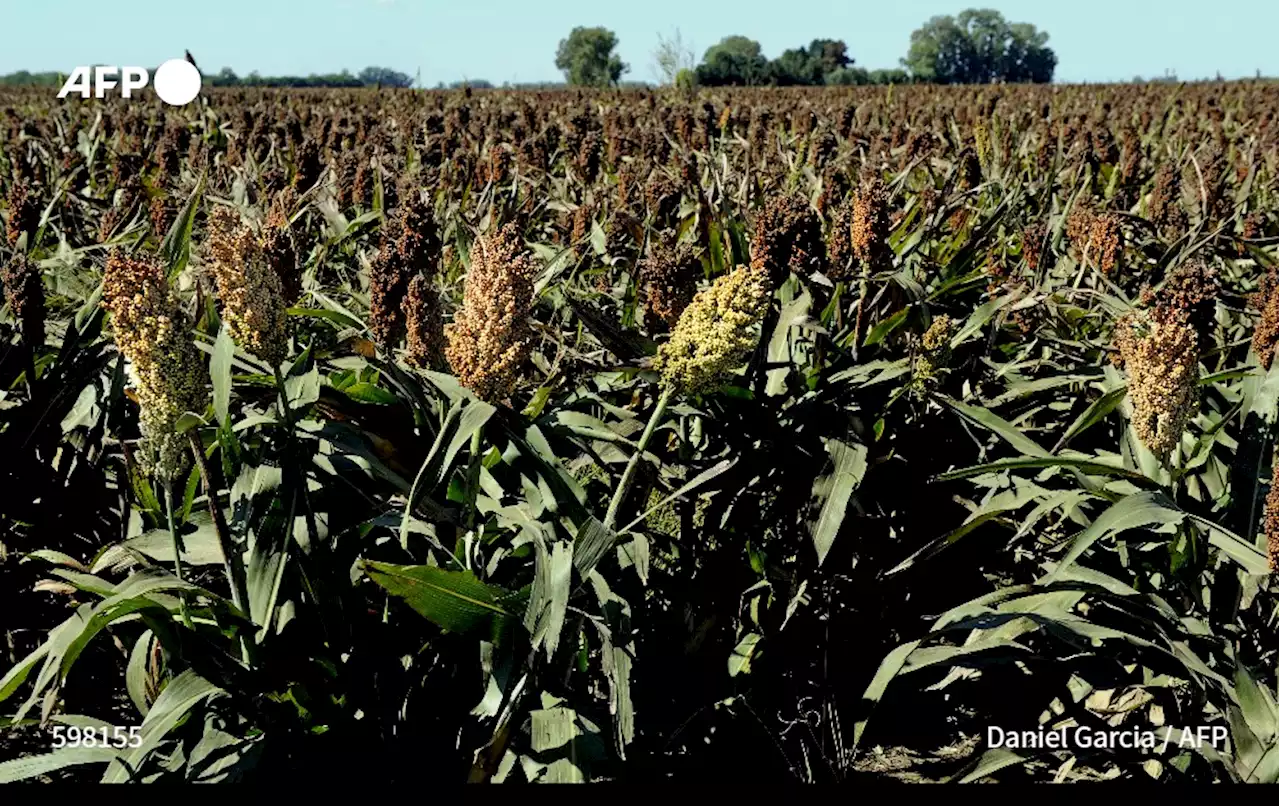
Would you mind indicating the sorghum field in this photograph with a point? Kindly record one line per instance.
(790, 434)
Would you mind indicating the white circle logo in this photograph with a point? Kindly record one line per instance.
(177, 82)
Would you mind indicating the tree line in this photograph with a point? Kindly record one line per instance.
(368, 77)
(978, 46)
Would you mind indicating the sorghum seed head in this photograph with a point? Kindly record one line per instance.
(24, 290)
(1032, 243)
(152, 332)
(278, 247)
(162, 214)
(424, 324)
(1164, 209)
(308, 165)
(1162, 359)
(1079, 227)
(249, 288)
(669, 279)
(970, 169)
(840, 243)
(934, 353)
(24, 212)
(410, 246)
(345, 168)
(1107, 241)
(716, 332)
(788, 238)
(662, 197)
(582, 219)
(938, 336)
(822, 147)
(1271, 514)
(834, 188)
(588, 156)
(490, 338)
(1188, 295)
(869, 225)
(1267, 301)
(362, 180)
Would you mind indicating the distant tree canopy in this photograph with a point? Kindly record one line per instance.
(587, 59)
(226, 77)
(473, 83)
(734, 60)
(385, 76)
(978, 47)
(24, 78)
(368, 77)
(737, 60)
(858, 76)
(810, 66)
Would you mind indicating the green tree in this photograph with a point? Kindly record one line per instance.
(889, 75)
(1028, 57)
(226, 77)
(977, 47)
(587, 59)
(829, 54)
(794, 68)
(847, 76)
(383, 76)
(734, 60)
(25, 78)
(811, 65)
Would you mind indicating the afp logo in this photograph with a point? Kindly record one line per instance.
(177, 81)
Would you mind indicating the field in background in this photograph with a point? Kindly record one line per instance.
(638, 435)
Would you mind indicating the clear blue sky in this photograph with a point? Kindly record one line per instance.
(515, 40)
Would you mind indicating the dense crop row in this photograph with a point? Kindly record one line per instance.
(622, 435)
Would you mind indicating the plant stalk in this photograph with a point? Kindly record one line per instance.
(296, 480)
(177, 553)
(473, 476)
(232, 561)
(312, 532)
(628, 475)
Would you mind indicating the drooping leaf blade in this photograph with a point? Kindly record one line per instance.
(453, 600)
(836, 489)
